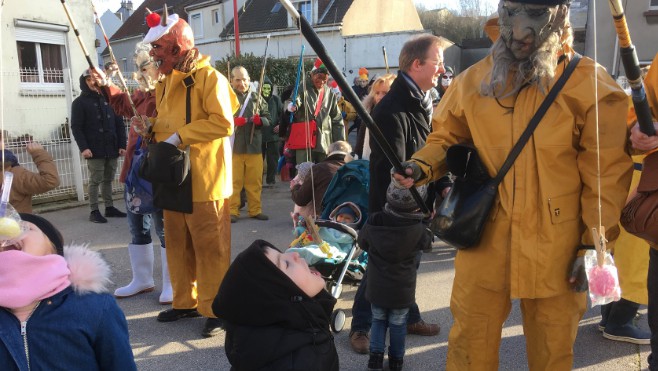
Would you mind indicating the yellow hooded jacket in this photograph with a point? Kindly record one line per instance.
(547, 203)
(212, 104)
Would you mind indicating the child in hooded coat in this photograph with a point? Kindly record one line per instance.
(271, 321)
(392, 239)
(56, 298)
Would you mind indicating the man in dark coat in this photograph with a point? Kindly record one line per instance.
(101, 137)
(404, 116)
(317, 181)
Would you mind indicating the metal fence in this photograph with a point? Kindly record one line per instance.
(32, 113)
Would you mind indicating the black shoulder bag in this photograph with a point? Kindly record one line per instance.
(168, 168)
(461, 217)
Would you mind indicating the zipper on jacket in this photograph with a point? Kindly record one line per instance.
(24, 335)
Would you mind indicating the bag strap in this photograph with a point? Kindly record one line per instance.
(527, 133)
(188, 82)
(318, 105)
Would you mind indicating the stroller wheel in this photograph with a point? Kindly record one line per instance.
(335, 290)
(337, 320)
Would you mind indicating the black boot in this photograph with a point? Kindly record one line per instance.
(376, 362)
(620, 326)
(605, 310)
(395, 364)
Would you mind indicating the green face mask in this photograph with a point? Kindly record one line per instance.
(267, 90)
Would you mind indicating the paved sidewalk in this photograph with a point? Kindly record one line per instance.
(179, 345)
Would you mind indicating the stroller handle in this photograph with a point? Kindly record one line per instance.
(338, 226)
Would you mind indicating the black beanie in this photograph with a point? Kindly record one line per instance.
(48, 229)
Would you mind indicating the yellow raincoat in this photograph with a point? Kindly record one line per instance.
(212, 124)
(199, 244)
(546, 207)
(631, 253)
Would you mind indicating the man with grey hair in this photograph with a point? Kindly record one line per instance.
(404, 118)
(541, 224)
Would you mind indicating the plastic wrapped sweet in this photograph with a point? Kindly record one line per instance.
(10, 221)
(602, 279)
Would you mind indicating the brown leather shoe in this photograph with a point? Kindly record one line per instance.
(360, 342)
(423, 329)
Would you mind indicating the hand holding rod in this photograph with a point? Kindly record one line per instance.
(318, 47)
(632, 68)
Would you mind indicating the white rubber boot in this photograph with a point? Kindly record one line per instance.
(141, 262)
(167, 295)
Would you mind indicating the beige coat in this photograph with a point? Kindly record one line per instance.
(547, 203)
(26, 183)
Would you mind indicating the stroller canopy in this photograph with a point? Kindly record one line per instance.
(350, 184)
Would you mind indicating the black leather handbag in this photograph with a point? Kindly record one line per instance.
(168, 169)
(462, 216)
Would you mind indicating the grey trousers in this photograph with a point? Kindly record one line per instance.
(101, 172)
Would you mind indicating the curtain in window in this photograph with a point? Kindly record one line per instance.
(51, 59)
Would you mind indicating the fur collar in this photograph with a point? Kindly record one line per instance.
(90, 273)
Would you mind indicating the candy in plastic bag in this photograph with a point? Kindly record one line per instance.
(602, 279)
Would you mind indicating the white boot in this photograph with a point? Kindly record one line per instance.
(167, 295)
(141, 262)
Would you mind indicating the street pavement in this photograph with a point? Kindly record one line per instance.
(179, 345)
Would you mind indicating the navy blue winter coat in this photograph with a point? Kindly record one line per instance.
(95, 126)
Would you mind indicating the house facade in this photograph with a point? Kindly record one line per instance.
(40, 65)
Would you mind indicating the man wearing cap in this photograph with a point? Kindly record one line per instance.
(547, 204)
(101, 137)
(198, 244)
(318, 97)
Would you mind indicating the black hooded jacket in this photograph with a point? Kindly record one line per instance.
(403, 122)
(270, 323)
(95, 126)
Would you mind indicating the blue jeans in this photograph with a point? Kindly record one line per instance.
(140, 227)
(361, 309)
(396, 322)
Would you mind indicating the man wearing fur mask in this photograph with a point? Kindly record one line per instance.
(198, 243)
(547, 204)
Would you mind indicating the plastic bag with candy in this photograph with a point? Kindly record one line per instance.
(602, 278)
(11, 227)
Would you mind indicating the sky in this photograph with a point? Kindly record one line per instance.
(113, 5)
(451, 4)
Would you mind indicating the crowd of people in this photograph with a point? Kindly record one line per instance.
(233, 134)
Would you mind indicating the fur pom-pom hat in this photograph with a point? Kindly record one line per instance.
(159, 25)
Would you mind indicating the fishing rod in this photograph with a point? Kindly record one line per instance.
(77, 34)
(321, 51)
(114, 61)
(632, 68)
(296, 89)
(260, 88)
(385, 58)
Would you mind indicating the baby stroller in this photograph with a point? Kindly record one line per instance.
(349, 186)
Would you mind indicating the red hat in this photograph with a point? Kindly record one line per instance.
(319, 67)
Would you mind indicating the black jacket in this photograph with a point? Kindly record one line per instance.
(392, 244)
(95, 126)
(401, 118)
(270, 323)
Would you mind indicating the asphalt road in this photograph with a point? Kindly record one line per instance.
(179, 345)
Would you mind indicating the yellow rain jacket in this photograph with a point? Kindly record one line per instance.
(212, 104)
(547, 203)
(631, 253)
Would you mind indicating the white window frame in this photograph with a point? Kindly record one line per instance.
(198, 33)
(42, 33)
(296, 4)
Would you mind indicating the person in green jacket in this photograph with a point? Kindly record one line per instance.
(247, 145)
(271, 133)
